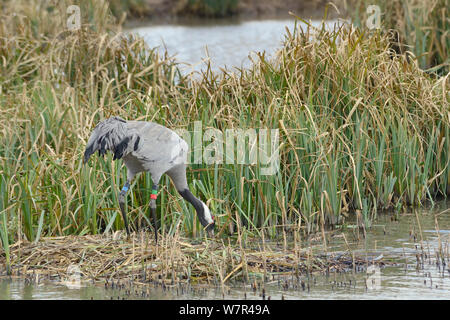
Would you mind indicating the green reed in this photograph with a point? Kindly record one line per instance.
(360, 129)
(421, 27)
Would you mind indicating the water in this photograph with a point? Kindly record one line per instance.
(397, 241)
(226, 44)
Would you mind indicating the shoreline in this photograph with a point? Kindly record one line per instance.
(247, 10)
(195, 21)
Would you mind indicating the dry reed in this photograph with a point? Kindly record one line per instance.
(175, 260)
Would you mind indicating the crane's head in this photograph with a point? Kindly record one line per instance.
(210, 229)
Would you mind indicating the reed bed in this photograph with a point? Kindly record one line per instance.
(419, 27)
(362, 129)
(175, 260)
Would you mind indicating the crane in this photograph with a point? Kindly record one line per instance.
(147, 147)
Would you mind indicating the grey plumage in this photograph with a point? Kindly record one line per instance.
(147, 146)
(113, 135)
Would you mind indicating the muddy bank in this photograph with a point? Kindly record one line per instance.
(306, 9)
(173, 10)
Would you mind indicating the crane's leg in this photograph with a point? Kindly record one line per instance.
(153, 197)
(122, 195)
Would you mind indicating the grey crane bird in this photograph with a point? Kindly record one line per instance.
(147, 146)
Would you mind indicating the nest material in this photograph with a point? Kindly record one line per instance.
(173, 260)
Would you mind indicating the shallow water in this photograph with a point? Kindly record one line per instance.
(413, 234)
(225, 44)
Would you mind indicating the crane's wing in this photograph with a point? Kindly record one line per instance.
(160, 148)
(113, 135)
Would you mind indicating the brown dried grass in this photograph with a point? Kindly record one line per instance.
(174, 260)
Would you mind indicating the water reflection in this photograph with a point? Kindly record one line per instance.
(227, 44)
(15, 289)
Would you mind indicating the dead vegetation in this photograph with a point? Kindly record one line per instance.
(175, 260)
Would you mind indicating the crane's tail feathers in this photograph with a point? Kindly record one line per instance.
(112, 135)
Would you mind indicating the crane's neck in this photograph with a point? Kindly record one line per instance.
(203, 212)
